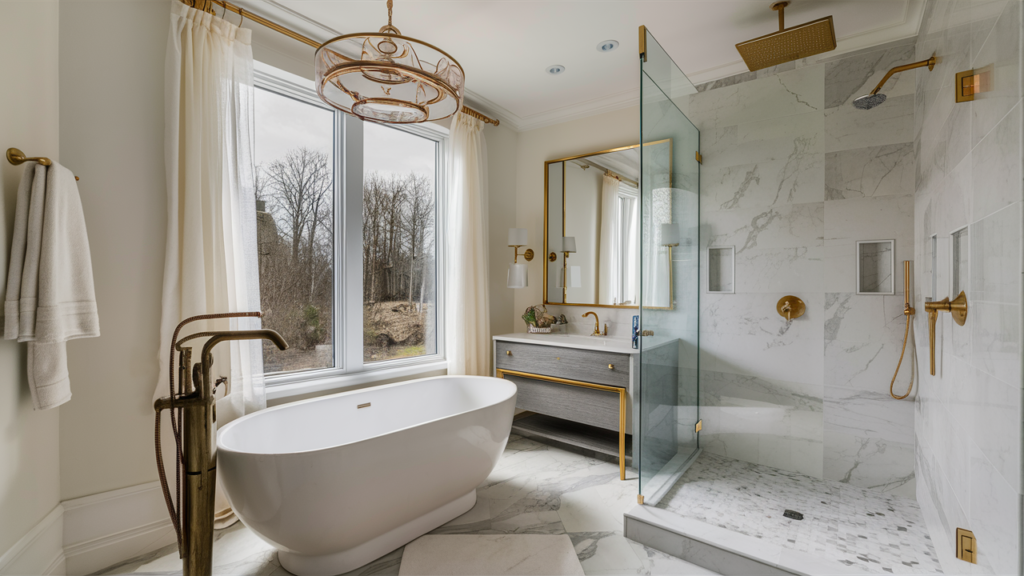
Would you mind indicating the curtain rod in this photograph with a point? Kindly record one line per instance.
(207, 6)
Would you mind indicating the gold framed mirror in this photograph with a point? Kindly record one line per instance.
(592, 229)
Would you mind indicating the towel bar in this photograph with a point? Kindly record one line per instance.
(17, 157)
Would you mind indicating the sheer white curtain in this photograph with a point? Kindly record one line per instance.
(608, 255)
(630, 249)
(210, 262)
(467, 310)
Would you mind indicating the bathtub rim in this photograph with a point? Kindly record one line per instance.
(222, 448)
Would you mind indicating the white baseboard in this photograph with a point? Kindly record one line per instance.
(40, 551)
(104, 529)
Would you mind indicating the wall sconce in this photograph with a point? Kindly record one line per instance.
(669, 235)
(517, 276)
(568, 247)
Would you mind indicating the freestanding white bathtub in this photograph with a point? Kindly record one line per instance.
(336, 482)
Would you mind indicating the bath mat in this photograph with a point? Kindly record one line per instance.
(490, 555)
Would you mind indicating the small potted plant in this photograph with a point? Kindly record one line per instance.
(538, 321)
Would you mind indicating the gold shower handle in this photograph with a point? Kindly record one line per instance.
(958, 308)
(790, 307)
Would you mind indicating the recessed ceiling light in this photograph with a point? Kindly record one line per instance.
(607, 45)
(556, 69)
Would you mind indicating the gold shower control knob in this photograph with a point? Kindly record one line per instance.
(790, 307)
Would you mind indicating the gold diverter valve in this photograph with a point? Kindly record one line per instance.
(957, 307)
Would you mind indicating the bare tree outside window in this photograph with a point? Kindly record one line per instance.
(294, 183)
(399, 249)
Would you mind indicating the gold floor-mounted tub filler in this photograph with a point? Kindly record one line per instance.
(193, 417)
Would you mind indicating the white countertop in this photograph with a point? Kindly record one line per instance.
(599, 343)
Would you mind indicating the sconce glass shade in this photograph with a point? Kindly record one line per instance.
(517, 237)
(517, 277)
(669, 235)
(575, 277)
(568, 244)
(389, 78)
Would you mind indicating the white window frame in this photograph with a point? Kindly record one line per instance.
(349, 369)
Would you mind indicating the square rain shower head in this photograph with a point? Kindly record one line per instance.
(789, 44)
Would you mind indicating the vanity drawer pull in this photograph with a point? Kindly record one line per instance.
(611, 366)
(508, 352)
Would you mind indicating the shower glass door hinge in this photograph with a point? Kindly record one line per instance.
(966, 549)
(700, 159)
(640, 499)
(699, 426)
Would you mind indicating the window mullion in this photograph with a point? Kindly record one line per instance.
(351, 275)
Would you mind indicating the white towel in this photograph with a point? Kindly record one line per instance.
(50, 298)
(33, 187)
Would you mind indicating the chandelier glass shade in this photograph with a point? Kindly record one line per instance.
(389, 78)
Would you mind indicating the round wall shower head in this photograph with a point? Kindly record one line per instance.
(868, 101)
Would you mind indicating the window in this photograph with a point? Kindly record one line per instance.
(399, 263)
(348, 232)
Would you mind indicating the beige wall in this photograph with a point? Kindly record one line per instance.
(112, 109)
(29, 463)
(502, 177)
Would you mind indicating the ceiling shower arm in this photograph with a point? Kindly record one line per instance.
(930, 63)
(780, 7)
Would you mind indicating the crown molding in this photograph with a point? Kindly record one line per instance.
(907, 27)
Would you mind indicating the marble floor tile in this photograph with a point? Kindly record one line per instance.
(535, 489)
(491, 555)
(861, 528)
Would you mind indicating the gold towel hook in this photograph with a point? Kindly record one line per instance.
(17, 157)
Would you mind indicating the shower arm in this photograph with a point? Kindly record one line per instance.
(930, 63)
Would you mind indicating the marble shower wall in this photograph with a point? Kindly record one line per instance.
(793, 177)
(968, 419)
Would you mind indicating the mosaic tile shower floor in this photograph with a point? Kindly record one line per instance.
(861, 528)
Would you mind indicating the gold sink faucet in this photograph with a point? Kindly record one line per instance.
(597, 325)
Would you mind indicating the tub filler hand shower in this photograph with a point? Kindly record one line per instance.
(908, 311)
(193, 418)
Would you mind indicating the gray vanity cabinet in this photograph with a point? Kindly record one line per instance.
(580, 397)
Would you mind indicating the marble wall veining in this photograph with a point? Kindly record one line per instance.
(793, 176)
(968, 416)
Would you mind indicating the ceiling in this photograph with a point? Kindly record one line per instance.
(505, 46)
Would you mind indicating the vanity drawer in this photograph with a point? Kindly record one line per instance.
(598, 408)
(568, 363)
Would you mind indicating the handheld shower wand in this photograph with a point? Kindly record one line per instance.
(908, 311)
(193, 414)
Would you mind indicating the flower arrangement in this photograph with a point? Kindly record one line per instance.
(538, 321)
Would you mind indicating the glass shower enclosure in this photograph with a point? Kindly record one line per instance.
(668, 407)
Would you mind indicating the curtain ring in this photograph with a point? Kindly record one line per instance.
(241, 13)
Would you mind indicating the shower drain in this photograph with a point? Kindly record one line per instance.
(793, 514)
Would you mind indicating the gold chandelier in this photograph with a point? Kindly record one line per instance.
(386, 77)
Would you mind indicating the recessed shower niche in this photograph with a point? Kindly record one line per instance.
(722, 270)
(876, 269)
(959, 262)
